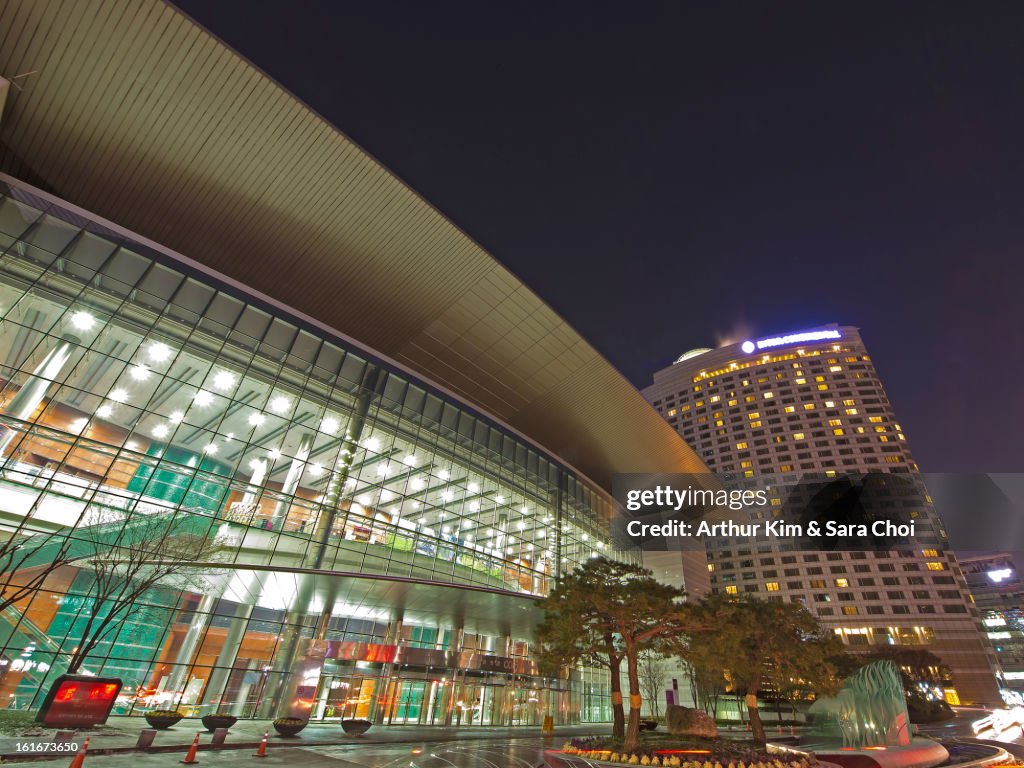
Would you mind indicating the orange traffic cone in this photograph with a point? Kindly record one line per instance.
(190, 758)
(77, 760)
(262, 751)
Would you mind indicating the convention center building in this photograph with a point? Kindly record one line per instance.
(276, 436)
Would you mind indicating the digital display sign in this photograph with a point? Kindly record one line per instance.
(79, 700)
(791, 338)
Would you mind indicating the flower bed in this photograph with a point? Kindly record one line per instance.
(664, 753)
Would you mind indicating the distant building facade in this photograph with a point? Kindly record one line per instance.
(995, 583)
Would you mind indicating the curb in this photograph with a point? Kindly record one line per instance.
(24, 757)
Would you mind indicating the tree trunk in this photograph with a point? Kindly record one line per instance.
(618, 715)
(615, 668)
(756, 726)
(692, 674)
(636, 700)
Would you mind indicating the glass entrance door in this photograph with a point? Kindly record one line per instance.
(416, 702)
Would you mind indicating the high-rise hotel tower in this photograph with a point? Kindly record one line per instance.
(811, 403)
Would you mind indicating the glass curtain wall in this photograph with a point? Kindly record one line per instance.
(132, 390)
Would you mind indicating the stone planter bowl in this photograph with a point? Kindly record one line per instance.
(215, 721)
(289, 726)
(355, 727)
(162, 719)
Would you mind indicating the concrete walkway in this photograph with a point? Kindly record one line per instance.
(121, 734)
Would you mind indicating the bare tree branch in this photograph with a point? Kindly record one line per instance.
(144, 551)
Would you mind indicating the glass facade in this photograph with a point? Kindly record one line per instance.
(250, 515)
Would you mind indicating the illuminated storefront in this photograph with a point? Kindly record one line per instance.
(366, 545)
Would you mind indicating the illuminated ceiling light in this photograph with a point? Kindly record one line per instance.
(330, 425)
(521, 525)
(255, 465)
(525, 510)
(364, 499)
(229, 436)
(541, 534)
(224, 380)
(447, 495)
(210, 448)
(350, 482)
(600, 545)
(202, 398)
(119, 395)
(131, 445)
(386, 496)
(139, 372)
(274, 453)
(585, 537)
(444, 474)
(499, 499)
(372, 444)
(467, 524)
(78, 425)
(417, 484)
(160, 430)
(105, 411)
(446, 529)
(410, 460)
(280, 404)
(473, 488)
(416, 505)
(256, 419)
(474, 506)
(159, 352)
(82, 320)
(316, 470)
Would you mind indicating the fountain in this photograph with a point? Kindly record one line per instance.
(866, 724)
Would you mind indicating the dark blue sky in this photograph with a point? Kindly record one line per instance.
(665, 173)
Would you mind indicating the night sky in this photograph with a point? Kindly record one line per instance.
(668, 176)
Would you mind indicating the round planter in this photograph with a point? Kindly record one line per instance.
(289, 727)
(213, 722)
(162, 719)
(355, 727)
